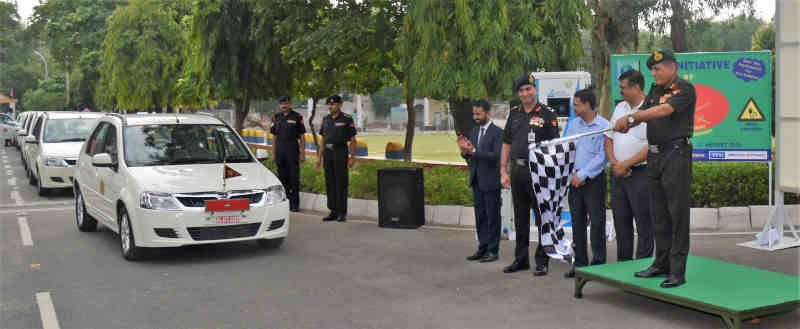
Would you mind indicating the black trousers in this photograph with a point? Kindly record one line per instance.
(334, 161)
(587, 205)
(670, 174)
(287, 158)
(487, 219)
(630, 200)
(524, 199)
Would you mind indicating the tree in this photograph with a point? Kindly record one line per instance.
(733, 34)
(142, 55)
(238, 50)
(19, 70)
(48, 95)
(73, 31)
(383, 100)
(764, 38)
(461, 51)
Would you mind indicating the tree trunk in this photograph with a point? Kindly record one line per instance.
(242, 108)
(461, 110)
(601, 58)
(678, 27)
(412, 119)
(311, 123)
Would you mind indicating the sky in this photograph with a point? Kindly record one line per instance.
(765, 9)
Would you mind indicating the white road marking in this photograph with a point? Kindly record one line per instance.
(8, 167)
(47, 311)
(12, 181)
(9, 172)
(25, 231)
(16, 211)
(16, 197)
(37, 204)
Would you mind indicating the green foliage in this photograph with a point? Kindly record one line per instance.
(733, 34)
(48, 95)
(19, 69)
(142, 55)
(764, 38)
(73, 31)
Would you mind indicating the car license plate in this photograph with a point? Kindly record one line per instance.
(228, 219)
(227, 205)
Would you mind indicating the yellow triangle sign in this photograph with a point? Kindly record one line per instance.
(751, 112)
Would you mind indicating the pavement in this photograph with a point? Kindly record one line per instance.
(326, 275)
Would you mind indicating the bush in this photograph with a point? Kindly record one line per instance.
(715, 184)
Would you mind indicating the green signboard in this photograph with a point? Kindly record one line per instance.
(734, 101)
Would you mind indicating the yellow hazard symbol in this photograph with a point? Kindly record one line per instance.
(751, 112)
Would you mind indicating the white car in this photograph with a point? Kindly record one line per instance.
(27, 130)
(54, 148)
(169, 180)
(23, 120)
(8, 129)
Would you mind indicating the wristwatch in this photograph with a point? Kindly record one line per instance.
(631, 120)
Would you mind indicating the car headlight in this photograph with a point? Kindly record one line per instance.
(54, 162)
(274, 194)
(158, 201)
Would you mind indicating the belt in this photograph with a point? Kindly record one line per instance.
(673, 144)
(331, 146)
(639, 166)
(521, 162)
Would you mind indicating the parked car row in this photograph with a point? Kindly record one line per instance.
(157, 180)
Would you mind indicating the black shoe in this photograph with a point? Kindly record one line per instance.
(490, 257)
(330, 217)
(341, 218)
(294, 209)
(650, 272)
(570, 274)
(541, 270)
(478, 255)
(517, 266)
(673, 282)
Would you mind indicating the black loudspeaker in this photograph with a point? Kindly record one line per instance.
(401, 198)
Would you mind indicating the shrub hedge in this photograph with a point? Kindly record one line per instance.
(715, 184)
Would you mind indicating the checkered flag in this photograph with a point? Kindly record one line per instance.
(551, 167)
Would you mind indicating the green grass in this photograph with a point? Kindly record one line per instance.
(437, 147)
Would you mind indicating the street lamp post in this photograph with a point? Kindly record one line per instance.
(43, 61)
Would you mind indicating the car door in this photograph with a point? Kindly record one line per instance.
(35, 131)
(87, 173)
(109, 178)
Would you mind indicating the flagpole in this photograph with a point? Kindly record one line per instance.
(571, 138)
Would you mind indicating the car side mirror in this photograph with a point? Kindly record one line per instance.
(102, 160)
(31, 140)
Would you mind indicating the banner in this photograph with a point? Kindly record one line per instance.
(733, 114)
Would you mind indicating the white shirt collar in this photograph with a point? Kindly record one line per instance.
(486, 125)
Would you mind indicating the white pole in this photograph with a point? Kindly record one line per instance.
(769, 189)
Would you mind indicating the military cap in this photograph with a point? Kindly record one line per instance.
(284, 99)
(333, 99)
(524, 80)
(659, 56)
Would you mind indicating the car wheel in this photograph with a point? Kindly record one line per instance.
(84, 221)
(43, 191)
(270, 243)
(127, 241)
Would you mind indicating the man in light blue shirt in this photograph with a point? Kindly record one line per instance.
(587, 196)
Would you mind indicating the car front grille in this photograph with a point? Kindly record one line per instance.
(198, 201)
(223, 232)
(166, 233)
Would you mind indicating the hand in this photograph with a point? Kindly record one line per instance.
(272, 154)
(302, 156)
(463, 144)
(576, 182)
(621, 125)
(350, 162)
(620, 170)
(505, 180)
(319, 163)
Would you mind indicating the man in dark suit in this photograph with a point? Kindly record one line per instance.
(482, 152)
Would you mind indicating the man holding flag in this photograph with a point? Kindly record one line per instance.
(668, 110)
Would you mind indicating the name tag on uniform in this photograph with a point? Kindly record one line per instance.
(291, 121)
(531, 137)
(340, 124)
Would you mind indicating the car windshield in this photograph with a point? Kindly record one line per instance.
(157, 145)
(68, 130)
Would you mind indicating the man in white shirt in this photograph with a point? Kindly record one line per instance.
(627, 154)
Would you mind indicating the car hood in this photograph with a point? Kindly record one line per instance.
(69, 150)
(202, 178)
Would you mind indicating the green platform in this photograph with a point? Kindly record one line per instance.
(734, 292)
